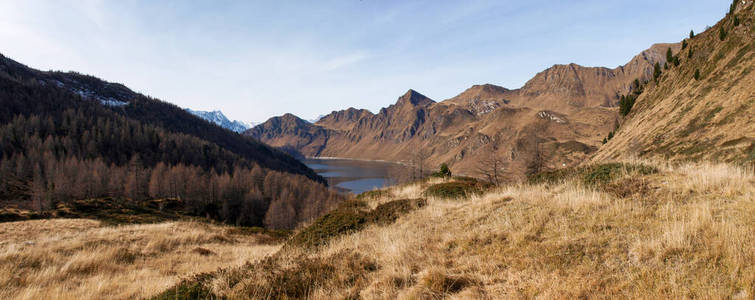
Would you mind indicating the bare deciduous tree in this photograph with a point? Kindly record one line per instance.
(537, 163)
(491, 166)
(419, 163)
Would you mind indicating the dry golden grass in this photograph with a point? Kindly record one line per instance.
(685, 232)
(79, 259)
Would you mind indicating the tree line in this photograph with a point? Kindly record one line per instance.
(57, 146)
(248, 196)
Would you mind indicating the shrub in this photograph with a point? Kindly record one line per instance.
(553, 176)
(736, 21)
(352, 216)
(192, 288)
(691, 34)
(444, 172)
(669, 54)
(722, 33)
(592, 175)
(684, 44)
(603, 173)
(453, 190)
(690, 53)
(341, 270)
(389, 212)
(697, 74)
(348, 217)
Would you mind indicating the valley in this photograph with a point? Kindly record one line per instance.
(633, 182)
(354, 176)
(562, 114)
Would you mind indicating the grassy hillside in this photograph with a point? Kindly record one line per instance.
(703, 108)
(79, 259)
(632, 230)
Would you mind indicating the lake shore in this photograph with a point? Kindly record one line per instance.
(355, 159)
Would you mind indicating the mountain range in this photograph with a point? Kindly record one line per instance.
(558, 118)
(217, 117)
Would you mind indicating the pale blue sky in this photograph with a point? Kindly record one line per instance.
(257, 59)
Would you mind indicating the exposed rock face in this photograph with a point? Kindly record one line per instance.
(562, 115)
(482, 99)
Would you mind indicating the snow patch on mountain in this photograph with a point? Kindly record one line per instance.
(112, 102)
(221, 120)
(316, 119)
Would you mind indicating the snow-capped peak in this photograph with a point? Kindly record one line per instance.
(221, 120)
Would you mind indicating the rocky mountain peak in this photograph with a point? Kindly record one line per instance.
(414, 98)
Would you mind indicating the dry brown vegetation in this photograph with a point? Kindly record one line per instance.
(80, 259)
(608, 231)
(683, 232)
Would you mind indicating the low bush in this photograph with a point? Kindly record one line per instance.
(603, 173)
(191, 288)
(592, 175)
(352, 216)
(349, 217)
(342, 270)
(389, 212)
(454, 189)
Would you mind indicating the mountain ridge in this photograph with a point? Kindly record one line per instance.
(565, 110)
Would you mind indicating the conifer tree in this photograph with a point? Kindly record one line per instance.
(656, 71)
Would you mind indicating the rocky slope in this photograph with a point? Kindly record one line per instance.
(709, 118)
(559, 117)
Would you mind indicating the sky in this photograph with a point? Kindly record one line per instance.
(258, 59)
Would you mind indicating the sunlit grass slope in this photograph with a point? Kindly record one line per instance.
(632, 230)
(80, 259)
